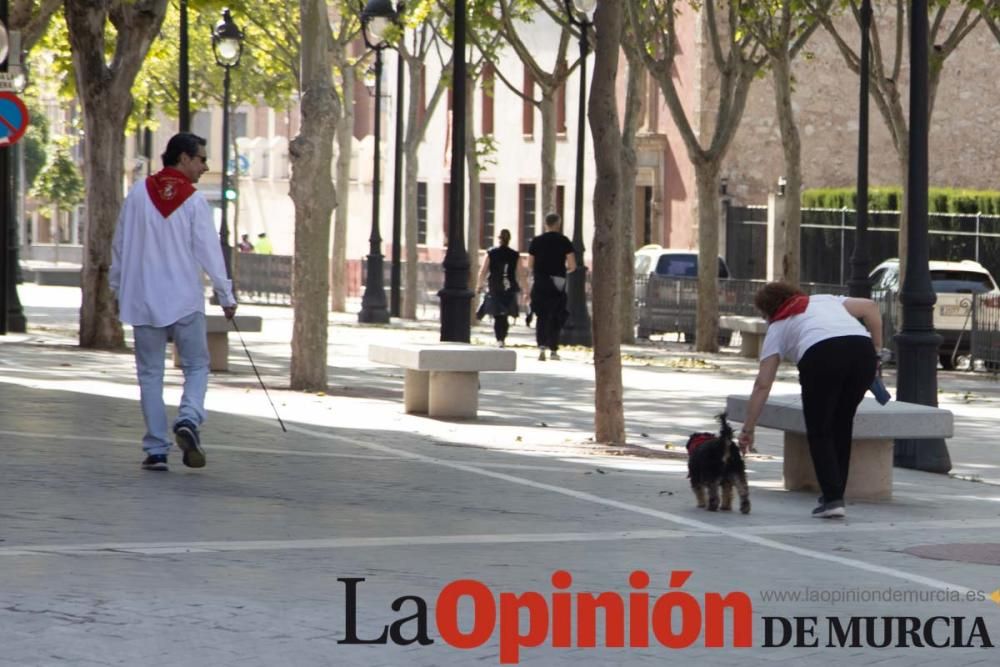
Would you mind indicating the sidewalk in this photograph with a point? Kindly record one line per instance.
(238, 564)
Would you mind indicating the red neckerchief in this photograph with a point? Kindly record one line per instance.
(792, 306)
(168, 189)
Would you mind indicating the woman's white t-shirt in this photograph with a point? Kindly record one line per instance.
(825, 317)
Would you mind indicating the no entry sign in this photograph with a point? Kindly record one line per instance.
(13, 119)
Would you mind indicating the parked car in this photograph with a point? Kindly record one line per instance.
(667, 291)
(954, 283)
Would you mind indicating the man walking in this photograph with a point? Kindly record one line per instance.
(165, 238)
(550, 256)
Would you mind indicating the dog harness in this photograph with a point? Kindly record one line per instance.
(697, 439)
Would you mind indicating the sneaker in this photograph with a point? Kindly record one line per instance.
(157, 462)
(831, 510)
(554, 356)
(187, 438)
(501, 344)
(541, 355)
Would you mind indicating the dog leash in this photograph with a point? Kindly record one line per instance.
(257, 373)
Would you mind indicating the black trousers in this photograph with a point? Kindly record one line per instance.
(501, 325)
(834, 375)
(549, 305)
(550, 315)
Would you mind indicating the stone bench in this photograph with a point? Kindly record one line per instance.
(442, 379)
(875, 428)
(218, 328)
(752, 330)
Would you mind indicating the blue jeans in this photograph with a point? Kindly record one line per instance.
(150, 351)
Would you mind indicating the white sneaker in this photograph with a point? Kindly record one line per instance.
(541, 355)
(831, 510)
(500, 343)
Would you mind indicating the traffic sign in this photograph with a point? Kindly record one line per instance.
(13, 119)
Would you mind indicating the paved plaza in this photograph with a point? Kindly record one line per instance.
(244, 563)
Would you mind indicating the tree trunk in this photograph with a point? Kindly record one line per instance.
(707, 334)
(416, 128)
(548, 109)
(345, 136)
(411, 165)
(411, 168)
(792, 149)
(634, 96)
(475, 198)
(609, 416)
(107, 102)
(312, 191)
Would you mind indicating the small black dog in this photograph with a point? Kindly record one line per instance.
(715, 460)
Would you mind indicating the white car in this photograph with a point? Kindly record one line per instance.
(954, 283)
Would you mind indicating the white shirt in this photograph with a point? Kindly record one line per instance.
(157, 262)
(825, 317)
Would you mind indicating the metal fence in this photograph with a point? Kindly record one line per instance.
(985, 333)
(263, 279)
(669, 305)
(430, 280)
(979, 338)
(827, 240)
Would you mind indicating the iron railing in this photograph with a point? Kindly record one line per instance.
(669, 305)
(263, 279)
(985, 332)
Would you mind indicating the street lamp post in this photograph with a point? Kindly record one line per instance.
(16, 321)
(11, 314)
(859, 284)
(5, 218)
(397, 188)
(576, 331)
(376, 17)
(918, 343)
(456, 297)
(227, 44)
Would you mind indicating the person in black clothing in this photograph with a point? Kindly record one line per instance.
(551, 255)
(502, 288)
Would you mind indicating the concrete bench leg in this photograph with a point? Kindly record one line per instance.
(453, 394)
(218, 352)
(870, 477)
(415, 385)
(750, 344)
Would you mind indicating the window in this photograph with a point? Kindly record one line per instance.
(421, 213)
(970, 282)
(201, 124)
(528, 105)
(526, 212)
(487, 197)
(237, 125)
(488, 89)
